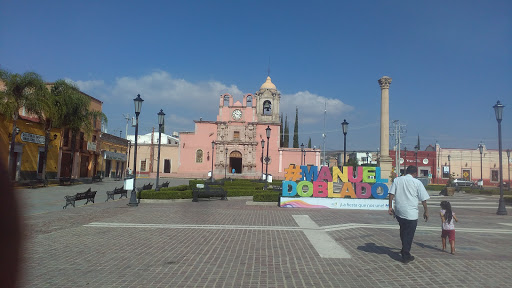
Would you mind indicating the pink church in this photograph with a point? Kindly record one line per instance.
(237, 136)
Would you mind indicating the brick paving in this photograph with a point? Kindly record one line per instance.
(231, 244)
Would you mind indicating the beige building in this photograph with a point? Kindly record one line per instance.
(465, 163)
(147, 155)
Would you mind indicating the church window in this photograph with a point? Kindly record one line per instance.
(199, 156)
(267, 108)
(236, 135)
(249, 101)
(226, 100)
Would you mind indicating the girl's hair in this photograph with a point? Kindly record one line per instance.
(448, 210)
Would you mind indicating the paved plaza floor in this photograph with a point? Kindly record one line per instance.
(214, 243)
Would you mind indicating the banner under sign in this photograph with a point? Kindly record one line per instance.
(334, 203)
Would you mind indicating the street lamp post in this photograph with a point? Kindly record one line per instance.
(405, 159)
(266, 158)
(481, 149)
(225, 162)
(367, 158)
(301, 153)
(416, 148)
(262, 146)
(213, 146)
(161, 115)
(498, 110)
(344, 126)
(133, 196)
(449, 166)
(508, 165)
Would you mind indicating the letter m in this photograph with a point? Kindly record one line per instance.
(312, 173)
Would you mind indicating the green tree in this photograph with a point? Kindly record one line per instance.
(21, 91)
(286, 138)
(296, 129)
(309, 142)
(76, 114)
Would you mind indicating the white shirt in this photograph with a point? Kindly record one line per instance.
(408, 192)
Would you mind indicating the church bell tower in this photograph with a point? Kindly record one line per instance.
(267, 101)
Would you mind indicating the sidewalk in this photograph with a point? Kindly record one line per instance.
(230, 244)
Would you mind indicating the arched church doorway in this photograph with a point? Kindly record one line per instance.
(235, 162)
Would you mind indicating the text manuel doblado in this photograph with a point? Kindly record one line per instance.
(320, 183)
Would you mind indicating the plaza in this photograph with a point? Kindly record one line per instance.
(236, 243)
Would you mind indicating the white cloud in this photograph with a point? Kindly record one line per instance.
(89, 85)
(161, 87)
(311, 106)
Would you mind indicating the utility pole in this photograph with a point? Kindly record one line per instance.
(127, 118)
(398, 130)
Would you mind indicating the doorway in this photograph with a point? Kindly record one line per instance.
(235, 162)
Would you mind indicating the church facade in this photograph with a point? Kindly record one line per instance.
(232, 144)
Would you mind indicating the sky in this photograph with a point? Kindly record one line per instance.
(450, 62)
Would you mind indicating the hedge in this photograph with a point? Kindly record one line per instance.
(266, 196)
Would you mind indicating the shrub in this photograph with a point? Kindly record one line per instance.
(192, 183)
(266, 196)
(435, 187)
(166, 194)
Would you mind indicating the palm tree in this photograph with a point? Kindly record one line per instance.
(75, 113)
(21, 91)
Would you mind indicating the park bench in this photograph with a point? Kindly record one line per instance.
(96, 178)
(87, 195)
(148, 186)
(209, 190)
(120, 190)
(66, 180)
(164, 185)
(38, 183)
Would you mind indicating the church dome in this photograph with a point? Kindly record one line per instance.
(268, 84)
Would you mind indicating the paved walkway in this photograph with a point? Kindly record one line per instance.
(231, 244)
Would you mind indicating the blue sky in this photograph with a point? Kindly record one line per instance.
(450, 62)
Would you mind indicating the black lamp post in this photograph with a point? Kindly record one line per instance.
(344, 126)
(225, 162)
(161, 115)
(266, 158)
(301, 153)
(498, 110)
(262, 146)
(508, 165)
(405, 159)
(449, 167)
(213, 146)
(133, 196)
(416, 148)
(481, 149)
(367, 158)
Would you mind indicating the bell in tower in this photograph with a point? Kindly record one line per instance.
(267, 99)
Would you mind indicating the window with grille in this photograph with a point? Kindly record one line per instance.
(143, 165)
(199, 156)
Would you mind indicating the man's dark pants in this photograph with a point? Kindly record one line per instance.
(407, 230)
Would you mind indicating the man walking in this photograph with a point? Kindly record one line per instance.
(407, 191)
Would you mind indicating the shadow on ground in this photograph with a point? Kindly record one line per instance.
(373, 248)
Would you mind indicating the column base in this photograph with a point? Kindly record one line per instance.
(385, 164)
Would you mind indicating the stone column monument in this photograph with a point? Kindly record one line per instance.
(384, 160)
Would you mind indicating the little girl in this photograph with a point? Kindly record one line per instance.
(447, 217)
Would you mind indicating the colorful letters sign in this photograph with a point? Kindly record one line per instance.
(316, 190)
